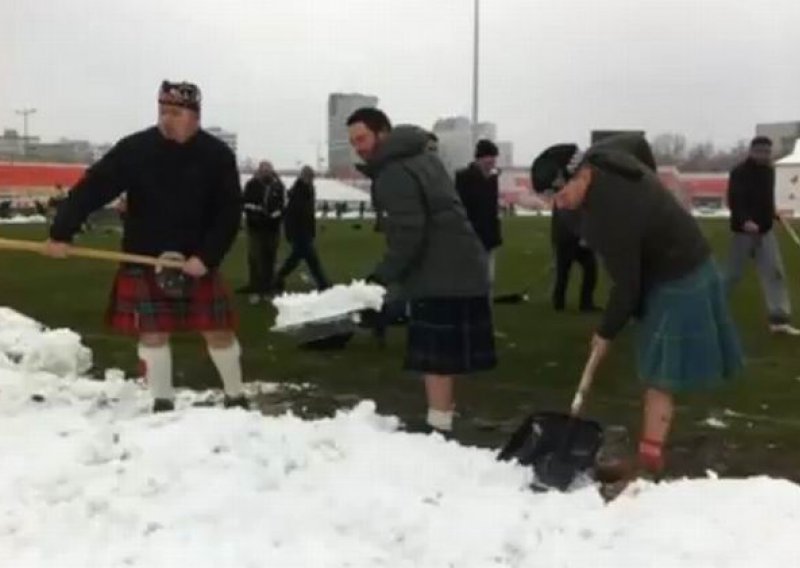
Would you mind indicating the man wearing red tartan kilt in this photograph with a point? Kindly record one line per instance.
(182, 197)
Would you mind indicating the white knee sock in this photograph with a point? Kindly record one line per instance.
(157, 362)
(228, 364)
(440, 419)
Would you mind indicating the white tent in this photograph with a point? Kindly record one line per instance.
(328, 189)
(787, 182)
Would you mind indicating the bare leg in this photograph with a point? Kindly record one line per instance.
(439, 390)
(657, 420)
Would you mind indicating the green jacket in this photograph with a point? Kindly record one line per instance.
(431, 249)
(638, 228)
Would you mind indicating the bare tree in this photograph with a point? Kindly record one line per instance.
(669, 149)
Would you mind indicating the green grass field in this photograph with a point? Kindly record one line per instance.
(541, 353)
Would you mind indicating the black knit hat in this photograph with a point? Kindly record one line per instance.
(183, 94)
(555, 161)
(486, 148)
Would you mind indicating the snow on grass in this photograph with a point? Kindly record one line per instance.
(90, 478)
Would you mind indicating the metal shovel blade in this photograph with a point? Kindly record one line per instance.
(558, 446)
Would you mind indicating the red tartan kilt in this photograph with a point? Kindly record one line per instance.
(138, 305)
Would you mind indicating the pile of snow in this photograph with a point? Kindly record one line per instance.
(90, 478)
(23, 220)
(297, 309)
(27, 345)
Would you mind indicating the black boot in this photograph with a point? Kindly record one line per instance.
(236, 402)
(163, 405)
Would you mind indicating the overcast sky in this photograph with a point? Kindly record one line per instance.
(551, 70)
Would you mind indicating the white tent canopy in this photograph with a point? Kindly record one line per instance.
(792, 159)
(787, 182)
(328, 189)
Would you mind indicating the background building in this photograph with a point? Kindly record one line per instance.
(457, 142)
(341, 157)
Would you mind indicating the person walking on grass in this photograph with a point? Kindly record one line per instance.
(182, 195)
(433, 258)
(264, 200)
(663, 274)
(751, 199)
(300, 226)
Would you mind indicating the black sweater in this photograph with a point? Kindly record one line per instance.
(642, 234)
(480, 195)
(751, 196)
(181, 197)
(299, 221)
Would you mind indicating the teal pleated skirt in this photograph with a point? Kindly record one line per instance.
(686, 338)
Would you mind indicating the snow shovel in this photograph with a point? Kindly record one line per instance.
(328, 333)
(558, 446)
(790, 230)
(111, 255)
(168, 266)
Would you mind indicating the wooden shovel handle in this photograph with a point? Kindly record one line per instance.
(586, 382)
(110, 255)
(790, 230)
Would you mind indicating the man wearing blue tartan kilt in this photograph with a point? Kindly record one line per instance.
(662, 273)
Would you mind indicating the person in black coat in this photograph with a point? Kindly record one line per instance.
(477, 186)
(183, 197)
(300, 226)
(568, 246)
(264, 200)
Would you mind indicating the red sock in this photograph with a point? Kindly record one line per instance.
(651, 456)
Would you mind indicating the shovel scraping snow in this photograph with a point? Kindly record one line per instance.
(559, 446)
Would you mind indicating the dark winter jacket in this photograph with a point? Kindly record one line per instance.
(640, 231)
(264, 200)
(751, 196)
(631, 143)
(180, 197)
(432, 250)
(480, 196)
(565, 226)
(299, 222)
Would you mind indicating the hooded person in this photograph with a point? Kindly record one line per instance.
(183, 199)
(662, 274)
(433, 259)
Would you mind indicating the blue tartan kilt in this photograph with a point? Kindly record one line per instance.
(450, 336)
(686, 337)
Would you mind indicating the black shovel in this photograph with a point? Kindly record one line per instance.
(559, 446)
(325, 334)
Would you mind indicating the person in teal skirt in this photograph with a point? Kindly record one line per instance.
(663, 275)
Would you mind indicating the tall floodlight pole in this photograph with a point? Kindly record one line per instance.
(475, 70)
(25, 113)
